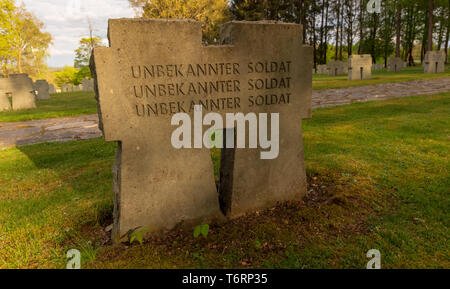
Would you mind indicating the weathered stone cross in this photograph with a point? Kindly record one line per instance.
(156, 68)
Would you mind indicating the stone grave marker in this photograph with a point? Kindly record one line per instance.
(359, 67)
(434, 62)
(67, 87)
(88, 84)
(322, 69)
(51, 89)
(5, 104)
(377, 66)
(42, 87)
(337, 68)
(395, 64)
(261, 67)
(20, 86)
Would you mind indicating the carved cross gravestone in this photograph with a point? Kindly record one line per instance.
(395, 64)
(336, 68)
(67, 87)
(87, 84)
(360, 67)
(51, 89)
(5, 104)
(21, 88)
(43, 89)
(434, 62)
(155, 69)
(322, 69)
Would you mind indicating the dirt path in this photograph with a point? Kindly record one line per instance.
(86, 127)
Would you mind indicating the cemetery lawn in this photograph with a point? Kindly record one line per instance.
(378, 176)
(79, 103)
(321, 81)
(60, 105)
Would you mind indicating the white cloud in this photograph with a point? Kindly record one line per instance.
(67, 21)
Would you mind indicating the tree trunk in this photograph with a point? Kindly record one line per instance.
(325, 43)
(19, 62)
(321, 32)
(341, 35)
(302, 19)
(350, 28)
(374, 35)
(337, 29)
(314, 41)
(441, 28)
(448, 34)
(361, 35)
(398, 31)
(430, 24)
(425, 36)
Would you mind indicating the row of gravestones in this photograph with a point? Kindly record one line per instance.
(86, 85)
(22, 91)
(360, 66)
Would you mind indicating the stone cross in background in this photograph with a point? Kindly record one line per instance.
(434, 62)
(360, 67)
(42, 88)
(322, 69)
(51, 89)
(21, 89)
(67, 87)
(88, 84)
(337, 68)
(395, 64)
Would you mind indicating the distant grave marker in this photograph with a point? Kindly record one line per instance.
(359, 67)
(67, 87)
(51, 89)
(434, 62)
(42, 87)
(322, 69)
(88, 85)
(337, 68)
(21, 88)
(395, 64)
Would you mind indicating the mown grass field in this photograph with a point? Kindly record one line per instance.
(321, 81)
(378, 178)
(60, 105)
(79, 103)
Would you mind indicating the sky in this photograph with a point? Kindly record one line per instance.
(67, 22)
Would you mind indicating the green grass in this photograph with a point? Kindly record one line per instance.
(79, 103)
(321, 81)
(378, 177)
(60, 104)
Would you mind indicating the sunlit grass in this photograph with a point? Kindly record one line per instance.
(321, 81)
(60, 104)
(377, 172)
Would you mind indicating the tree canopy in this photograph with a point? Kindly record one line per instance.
(23, 44)
(212, 13)
(84, 51)
(339, 28)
